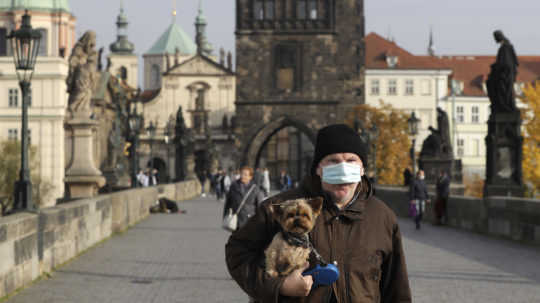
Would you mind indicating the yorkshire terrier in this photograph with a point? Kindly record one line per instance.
(290, 248)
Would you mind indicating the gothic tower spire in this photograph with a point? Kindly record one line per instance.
(431, 46)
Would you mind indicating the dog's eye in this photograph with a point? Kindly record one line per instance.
(305, 215)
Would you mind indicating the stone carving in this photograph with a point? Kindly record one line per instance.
(185, 144)
(82, 75)
(500, 83)
(438, 144)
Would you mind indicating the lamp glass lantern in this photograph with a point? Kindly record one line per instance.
(25, 46)
(413, 124)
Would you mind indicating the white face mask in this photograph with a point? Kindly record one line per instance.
(422, 177)
(342, 173)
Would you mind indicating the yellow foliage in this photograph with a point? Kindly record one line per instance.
(531, 142)
(393, 143)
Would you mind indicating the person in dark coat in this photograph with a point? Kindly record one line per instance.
(418, 196)
(237, 192)
(443, 192)
(354, 228)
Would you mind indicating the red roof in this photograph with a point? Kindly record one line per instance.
(472, 71)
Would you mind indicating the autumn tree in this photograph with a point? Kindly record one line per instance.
(392, 143)
(10, 163)
(531, 136)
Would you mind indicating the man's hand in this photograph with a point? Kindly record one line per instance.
(296, 285)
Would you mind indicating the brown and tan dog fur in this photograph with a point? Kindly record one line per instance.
(296, 217)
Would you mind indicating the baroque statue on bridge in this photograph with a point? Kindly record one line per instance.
(82, 75)
(500, 82)
(438, 144)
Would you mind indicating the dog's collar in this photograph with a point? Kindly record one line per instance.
(297, 240)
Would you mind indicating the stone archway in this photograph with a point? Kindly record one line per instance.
(252, 151)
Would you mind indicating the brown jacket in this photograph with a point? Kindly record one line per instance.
(363, 238)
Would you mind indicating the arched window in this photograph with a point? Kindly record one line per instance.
(155, 76)
(199, 101)
(43, 42)
(123, 73)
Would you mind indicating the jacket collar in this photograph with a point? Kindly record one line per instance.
(353, 211)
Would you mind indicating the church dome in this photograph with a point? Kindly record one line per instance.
(35, 5)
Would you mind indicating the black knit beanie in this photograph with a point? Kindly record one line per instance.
(337, 138)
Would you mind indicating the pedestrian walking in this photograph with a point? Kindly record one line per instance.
(418, 197)
(239, 191)
(142, 179)
(285, 181)
(202, 179)
(266, 182)
(354, 228)
(443, 192)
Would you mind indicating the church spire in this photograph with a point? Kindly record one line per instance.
(203, 46)
(122, 45)
(431, 46)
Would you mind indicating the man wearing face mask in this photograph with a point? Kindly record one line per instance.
(355, 229)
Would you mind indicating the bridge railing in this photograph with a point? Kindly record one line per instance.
(507, 217)
(33, 244)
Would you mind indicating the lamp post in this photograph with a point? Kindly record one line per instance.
(24, 46)
(151, 132)
(134, 120)
(413, 131)
(167, 140)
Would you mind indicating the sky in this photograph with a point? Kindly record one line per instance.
(459, 26)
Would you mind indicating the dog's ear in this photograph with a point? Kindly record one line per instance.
(276, 210)
(316, 204)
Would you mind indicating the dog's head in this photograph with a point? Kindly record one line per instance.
(297, 216)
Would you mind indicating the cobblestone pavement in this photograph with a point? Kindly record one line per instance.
(180, 258)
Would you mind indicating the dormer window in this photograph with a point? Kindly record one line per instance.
(391, 61)
(457, 87)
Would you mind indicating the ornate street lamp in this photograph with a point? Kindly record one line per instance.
(24, 46)
(134, 121)
(413, 131)
(151, 132)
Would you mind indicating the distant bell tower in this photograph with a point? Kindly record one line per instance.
(124, 62)
(203, 46)
(297, 61)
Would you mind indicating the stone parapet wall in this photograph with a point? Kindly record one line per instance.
(33, 244)
(507, 217)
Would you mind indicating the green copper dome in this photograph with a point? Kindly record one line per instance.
(35, 5)
(174, 37)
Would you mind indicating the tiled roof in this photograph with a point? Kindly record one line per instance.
(378, 49)
(472, 71)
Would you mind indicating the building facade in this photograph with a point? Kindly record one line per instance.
(48, 104)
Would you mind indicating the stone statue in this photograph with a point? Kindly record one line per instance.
(82, 75)
(438, 144)
(500, 83)
(99, 64)
(229, 60)
(115, 144)
(185, 144)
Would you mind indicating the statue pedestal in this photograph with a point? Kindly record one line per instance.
(504, 143)
(82, 177)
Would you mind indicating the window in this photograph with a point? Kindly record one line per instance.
(301, 9)
(392, 87)
(13, 134)
(359, 28)
(460, 117)
(409, 87)
(199, 101)
(258, 10)
(374, 91)
(269, 9)
(312, 8)
(43, 42)
(13, 97)
(287, 71)
(425, 86)
(460, 147)
(123, 73)
(358, 50)
(3, 41)
(476, 147)
(155, 76)
(359, 7)
(475, 114)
